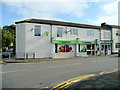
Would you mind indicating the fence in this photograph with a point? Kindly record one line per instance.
(33, 55)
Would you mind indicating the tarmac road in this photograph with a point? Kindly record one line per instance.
(49, 74)
(108, 81)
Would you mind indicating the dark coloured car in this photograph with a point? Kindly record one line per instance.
(7, 53)
(119, 53)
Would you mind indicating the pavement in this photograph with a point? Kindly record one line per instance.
(6, 60)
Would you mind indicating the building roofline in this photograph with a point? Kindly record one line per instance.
(54, 22)
(111, 26)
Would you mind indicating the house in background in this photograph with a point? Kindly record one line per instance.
(37, 38)
(115, 36)
(105, 41)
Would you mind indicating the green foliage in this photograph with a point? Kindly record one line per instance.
(0, 39)
(8, 33)
(10, 28)
(7, 38)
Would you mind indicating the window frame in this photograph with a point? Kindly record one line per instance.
(59, 31)
(37, 29)
(73, 31)
(90, 32)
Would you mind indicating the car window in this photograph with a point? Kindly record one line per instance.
(8, 50)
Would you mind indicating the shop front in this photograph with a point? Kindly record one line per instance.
(106, 47)
(71, 48)
(88, 48)
(65, 48)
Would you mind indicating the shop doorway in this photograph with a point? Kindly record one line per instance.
(91, 49)
(106, 49)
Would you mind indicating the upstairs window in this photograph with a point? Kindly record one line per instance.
(37, 31)
(90, 33)
(74, 31)
(59, 32)
(106, 35)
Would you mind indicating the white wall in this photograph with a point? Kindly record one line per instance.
(28, 45)
(115, 40)
(40, 45)
(20, 40)
(82, 34)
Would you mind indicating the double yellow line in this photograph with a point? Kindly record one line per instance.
(73, 80)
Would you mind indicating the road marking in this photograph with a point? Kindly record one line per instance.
(14, 71)
(70, 81)
(64, 65)
(74, 80)
(109, 71)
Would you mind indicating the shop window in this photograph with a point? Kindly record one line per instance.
(90, 33)
(88, 47)
(117, 45)
(74, 31)
(37, 31)
(83, 48)
(59, 32)
(65, 48)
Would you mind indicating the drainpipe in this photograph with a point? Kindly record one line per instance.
(51, 39)
(50, 33)
(111, 40)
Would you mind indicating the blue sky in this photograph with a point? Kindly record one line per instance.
(92, 12)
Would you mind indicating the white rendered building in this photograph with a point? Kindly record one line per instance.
(37, 38)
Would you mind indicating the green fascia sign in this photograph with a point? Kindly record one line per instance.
(87, 42)
(106, 42)
(66, 41)
(74, 42)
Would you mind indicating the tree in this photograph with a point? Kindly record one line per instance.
(10, 28)
(7, 38)
(0, 40)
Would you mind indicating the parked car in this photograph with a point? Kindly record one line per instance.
(7, 53)
(119, 53)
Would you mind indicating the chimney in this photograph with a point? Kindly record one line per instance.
(102, 24)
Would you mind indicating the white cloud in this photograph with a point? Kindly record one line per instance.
(56, 0)
(108, 14)
(49, 10)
